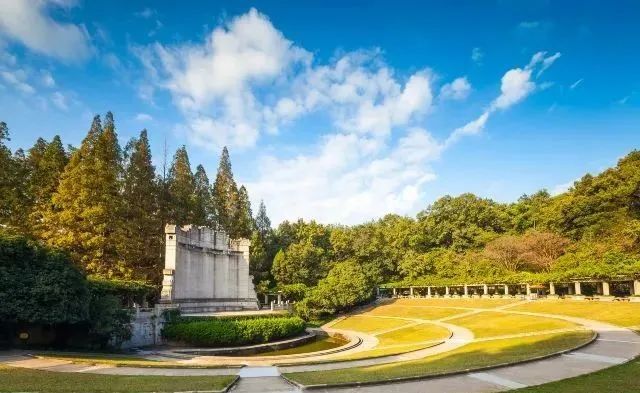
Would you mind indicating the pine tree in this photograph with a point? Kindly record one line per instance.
(202, 198)
(225, 195)
(9, 194)
(181, 186)
(263, 223)
(47, 162)
(86, 212)
(243, 224)
(141, 233)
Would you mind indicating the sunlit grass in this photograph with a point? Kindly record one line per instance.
(415, 311)
(489, 324)
(13, 379)
(472, 356)
(119, 360)
(448, 302)
(413, 334)
(617, 313)
(368, 324)
(618, 379)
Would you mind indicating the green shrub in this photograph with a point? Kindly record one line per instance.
(224, 332)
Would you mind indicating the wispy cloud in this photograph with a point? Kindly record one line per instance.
(576, 84)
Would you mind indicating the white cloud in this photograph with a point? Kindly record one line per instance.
(220, 85)
(349, 179)
(515, 85)
(576, 84)
(547, 62)
(562, 188)
(477, 55)
(459, 89)
(146, 13)
(28, 22)
(143, 117)
(47, 79)
(17, 79)
(60, 101)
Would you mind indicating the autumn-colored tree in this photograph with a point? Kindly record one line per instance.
(141, 233)
(506, 252)
(181, 186)
(541, 249)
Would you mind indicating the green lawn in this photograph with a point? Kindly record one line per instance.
(619, 379)
(368, 324)
(472, 356)
(464, 302)
(414, 311)
(13, 379)
(489, 324)
(617, 313)
(119, 360)
(384, 351)
(413, 334)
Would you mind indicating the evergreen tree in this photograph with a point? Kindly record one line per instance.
(141, 234)
(225, 195)
(8, 192)
(181, 187)
(262, 221)
(47, 162)
(86, 212)
(243, 224)
(202, 198)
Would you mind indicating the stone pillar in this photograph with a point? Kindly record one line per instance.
(506, 289)
(486, 290)
(428, 291)
(446, 291)
(411, 291)
(552, 289)
(266, 298)
(272, 306)
(394, 292)
(578, 289)
(279, 298)
(377, 292)
(528, 289)
(466, 290)
(636, 287)
(605, 288)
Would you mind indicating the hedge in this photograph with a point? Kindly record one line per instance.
(225, 332)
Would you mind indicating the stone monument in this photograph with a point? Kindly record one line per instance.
(205, 271)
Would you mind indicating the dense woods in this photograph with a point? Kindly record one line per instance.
(106, 206)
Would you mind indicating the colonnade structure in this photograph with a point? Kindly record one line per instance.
(625, 288)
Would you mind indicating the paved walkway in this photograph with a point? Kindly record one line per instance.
(614, 346)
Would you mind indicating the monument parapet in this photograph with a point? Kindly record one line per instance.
(205, 271)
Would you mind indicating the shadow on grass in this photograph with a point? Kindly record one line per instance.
(472, 356)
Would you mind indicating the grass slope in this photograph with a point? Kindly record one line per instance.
(14, 379)
(620, 379)
(368, 324)
(617, 313)
(489, 324)
(472, 356)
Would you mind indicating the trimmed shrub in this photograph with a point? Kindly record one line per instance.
(224, 332)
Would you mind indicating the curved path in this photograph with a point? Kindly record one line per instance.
(614, 345)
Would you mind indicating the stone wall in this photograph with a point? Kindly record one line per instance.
(206, 271)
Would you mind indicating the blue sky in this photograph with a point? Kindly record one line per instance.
(338, 111)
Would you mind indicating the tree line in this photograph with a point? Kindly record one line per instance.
(106, 205)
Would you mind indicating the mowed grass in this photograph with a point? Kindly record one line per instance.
(463, 302)
(617, 313)
(13, 379)
(385, 351)
(471, 356)
(368, 324)
(413, 334)
(623, 378)
(414, 311)
(490, 324)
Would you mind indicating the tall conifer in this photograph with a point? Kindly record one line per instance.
(181, 187)
(202, 198)
(141, 234)
(225, 194)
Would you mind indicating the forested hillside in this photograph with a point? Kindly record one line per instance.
(106, 206)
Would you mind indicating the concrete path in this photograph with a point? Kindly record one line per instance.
(614, 345)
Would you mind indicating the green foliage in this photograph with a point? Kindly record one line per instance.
(181, 185)
(293, 292)
(345, 286)
(38, 285)
(222, 332)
